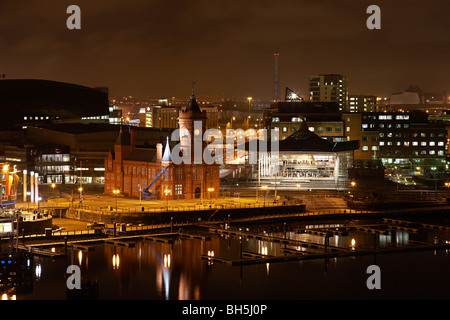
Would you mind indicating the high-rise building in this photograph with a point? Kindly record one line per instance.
(329, 88)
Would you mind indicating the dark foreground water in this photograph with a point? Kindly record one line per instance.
(158, 271)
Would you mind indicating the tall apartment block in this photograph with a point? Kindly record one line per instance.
(329, 88)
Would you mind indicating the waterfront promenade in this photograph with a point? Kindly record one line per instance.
(100, 208)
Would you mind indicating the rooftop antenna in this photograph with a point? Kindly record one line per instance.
(276, 76)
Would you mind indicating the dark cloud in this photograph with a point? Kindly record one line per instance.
(158, 47)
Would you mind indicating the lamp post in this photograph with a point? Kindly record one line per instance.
(210, 190)
(298, 189)
(447, 184)
(248, 118)
(80, 189)
(167, 192)
(116, 193)
(264, 187)
(140, 194)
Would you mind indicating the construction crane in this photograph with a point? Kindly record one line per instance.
(146, 193)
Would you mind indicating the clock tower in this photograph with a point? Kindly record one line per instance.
(192, 125)
(201, 180)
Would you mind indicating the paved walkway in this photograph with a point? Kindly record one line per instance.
(70, 224)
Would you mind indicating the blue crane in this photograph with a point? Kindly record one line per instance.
(146, 193)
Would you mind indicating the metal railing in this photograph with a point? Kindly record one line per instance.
(198, 207)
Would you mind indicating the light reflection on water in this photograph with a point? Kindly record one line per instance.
(160, 271)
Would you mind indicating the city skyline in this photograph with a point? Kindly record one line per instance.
(158, 48)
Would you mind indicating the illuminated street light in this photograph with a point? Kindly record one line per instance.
(248, 118)
(167, 192)
(80, 189)
(447, 184)
(264, 187)
(116, 193)
(210, 190)
(353, 183)
(298, 189)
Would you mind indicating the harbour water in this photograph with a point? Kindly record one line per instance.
(177, 271)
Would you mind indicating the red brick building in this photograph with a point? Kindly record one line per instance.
(151, 172)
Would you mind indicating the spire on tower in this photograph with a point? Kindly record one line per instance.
(193, 105)
(193, 84)
(167, 154)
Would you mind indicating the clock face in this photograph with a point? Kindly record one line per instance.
(197, 132)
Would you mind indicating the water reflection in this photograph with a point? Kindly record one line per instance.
(115, 261)
(154, 270)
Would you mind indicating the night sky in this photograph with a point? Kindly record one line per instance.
(157, 48)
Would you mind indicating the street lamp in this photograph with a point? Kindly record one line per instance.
(248, 118)
(167, 192)
(264, 187)
(210, 190)
(116, 193)
(298, 189)
(80, 189)
(140, 194)
(53, 185)
(353, 183)
(447, 184)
